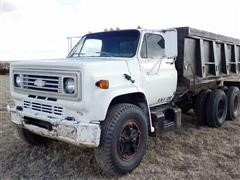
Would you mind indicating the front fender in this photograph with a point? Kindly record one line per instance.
(103, 98)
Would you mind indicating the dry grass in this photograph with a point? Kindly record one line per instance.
(188, 153)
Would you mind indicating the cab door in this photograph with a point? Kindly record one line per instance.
(159, 76)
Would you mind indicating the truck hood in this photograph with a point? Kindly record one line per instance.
(66, 63)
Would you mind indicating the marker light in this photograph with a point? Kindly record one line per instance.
(103, 84)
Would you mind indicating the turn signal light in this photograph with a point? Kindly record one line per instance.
(103, 84)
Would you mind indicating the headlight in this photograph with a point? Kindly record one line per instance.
(69, 85)
(17, 80)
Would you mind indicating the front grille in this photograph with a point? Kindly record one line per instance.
(47, 83)
(45, 108)
(42, 83)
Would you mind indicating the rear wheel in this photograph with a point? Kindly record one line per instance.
(216, 108)
(123, 139)
(31, 138)
(233, 102)
(200, 106)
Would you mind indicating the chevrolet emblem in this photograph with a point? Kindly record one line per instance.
(39, 83)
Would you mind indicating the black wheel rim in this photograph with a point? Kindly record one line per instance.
(129, 140)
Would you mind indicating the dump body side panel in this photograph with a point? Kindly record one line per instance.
(205, 57)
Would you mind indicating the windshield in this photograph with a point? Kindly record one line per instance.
(107, 44)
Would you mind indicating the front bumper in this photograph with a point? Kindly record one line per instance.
(74, 132)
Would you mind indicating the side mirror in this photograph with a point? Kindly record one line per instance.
(170, 43)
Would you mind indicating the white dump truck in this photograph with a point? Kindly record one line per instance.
(116, 88)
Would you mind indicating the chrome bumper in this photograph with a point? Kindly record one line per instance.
(77, 133)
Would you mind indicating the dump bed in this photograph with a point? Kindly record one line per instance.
(205, 57)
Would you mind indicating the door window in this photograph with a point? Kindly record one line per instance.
(153, 46)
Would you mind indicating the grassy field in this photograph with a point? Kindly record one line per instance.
(188, 153)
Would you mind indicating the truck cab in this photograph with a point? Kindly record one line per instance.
(145, 53)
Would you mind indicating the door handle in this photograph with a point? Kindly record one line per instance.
(129, 78)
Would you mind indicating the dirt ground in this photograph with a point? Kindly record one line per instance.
(188, 153)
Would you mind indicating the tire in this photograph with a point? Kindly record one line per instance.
(216, 108)
(200, 106)
(31, 138)
(123, 139)
(233, 102)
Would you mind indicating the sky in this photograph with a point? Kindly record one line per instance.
(37, 29)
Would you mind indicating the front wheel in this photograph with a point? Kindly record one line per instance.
(123, 139)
